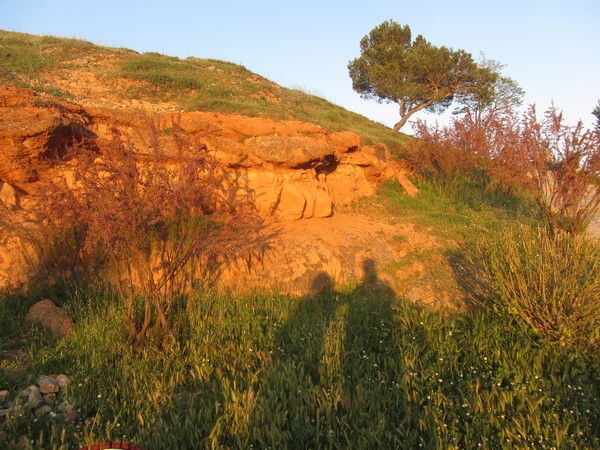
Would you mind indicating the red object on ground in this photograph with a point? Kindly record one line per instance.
(111, 445)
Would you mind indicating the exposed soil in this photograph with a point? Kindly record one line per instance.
(309, 255)
(86, 80)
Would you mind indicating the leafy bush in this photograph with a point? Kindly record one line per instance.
(547, 281)
(446, 155)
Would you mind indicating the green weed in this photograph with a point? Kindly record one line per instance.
(352, 369)
(549, 281)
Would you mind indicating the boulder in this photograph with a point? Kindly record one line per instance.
(344, 141)
(289, 151)
(51, 317)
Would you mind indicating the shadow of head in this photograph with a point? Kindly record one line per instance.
(321, 283)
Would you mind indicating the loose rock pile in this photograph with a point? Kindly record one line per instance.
(40, 399)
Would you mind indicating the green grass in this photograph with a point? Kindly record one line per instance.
(32, 55)
(24, 59)
(466, 212)
(349, 369)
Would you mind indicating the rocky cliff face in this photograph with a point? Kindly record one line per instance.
(288, 170)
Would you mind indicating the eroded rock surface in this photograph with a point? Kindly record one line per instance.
(288, 170)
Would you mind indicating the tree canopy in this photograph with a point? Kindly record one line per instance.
(493, 97)
(414, 73)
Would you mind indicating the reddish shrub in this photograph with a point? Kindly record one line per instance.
(155, 219)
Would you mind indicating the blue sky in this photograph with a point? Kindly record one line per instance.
(551, 48)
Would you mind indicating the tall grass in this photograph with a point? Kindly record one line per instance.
(547, 281)
(345, 369)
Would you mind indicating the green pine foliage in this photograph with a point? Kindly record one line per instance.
(414, 73)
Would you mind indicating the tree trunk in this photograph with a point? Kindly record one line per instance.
(410, 112)
(400, 124)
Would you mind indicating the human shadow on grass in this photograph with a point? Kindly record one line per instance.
(333, 368)
(336, 378)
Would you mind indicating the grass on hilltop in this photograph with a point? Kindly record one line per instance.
(191, 83)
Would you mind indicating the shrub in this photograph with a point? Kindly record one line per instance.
(556, 164)
(155, 221)
(548, 281)
(563, 167)
(446, 155)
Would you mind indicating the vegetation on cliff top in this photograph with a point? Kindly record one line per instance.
(186, 84)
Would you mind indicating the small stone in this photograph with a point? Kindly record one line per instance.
(63, 381)
(51, 317)
(22, 397)
(47, 384)
(15, 411)
(50, 399)
(61, 407)
(25, 392)
(35, 397)
(64, 406)
(49, 388)
(46, 379)
(4, 397)
(42, 411)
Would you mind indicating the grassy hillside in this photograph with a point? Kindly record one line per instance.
(353, 367)
(189, 84)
